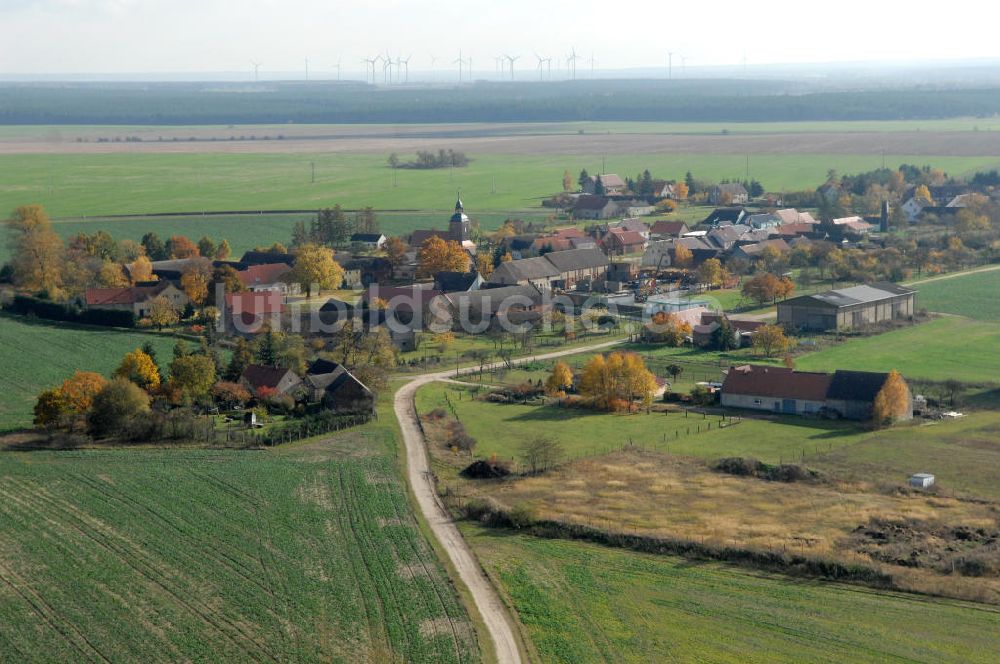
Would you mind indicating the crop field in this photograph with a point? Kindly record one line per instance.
(103, 184)
(940, 349)
(303, 554)
(36, 355)
(586, 603)
(973, 295)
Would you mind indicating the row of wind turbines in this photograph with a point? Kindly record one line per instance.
(397, 70)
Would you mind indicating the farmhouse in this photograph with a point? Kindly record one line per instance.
(578, 264)
(612, 184)
(250, 312)
(753, 252)
(732, 215)
(274, 380)
(595, 207)
(848, 308)
(337, 389)
(620, 242)
(855, 225)
(560, 269)
(516, 304)
(664, 229)
(732, 193)
(266, 277)
(369, 240)
(847, 394)
(137, 299)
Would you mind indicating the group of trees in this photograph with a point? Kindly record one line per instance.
(426, 159)
(41, 263)
(667, 328)
(617, 381)
(440, 255)
(332, 227)
(767, 288)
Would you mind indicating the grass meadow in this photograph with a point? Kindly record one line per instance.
(105, 184)
(940, 349)
(303, 553)
(971, 295)
(587, 603)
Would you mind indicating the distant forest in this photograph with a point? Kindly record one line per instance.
(610, 100)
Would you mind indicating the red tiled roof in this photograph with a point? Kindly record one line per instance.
(776, 383)
(125, 295)
(798, 228)
(624, 238)
(255, 304)
(665, 227)
(569, 233)
(262, 275)
(553, 243)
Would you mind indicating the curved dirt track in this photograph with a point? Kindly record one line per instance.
(418, 473)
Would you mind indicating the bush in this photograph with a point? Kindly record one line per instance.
(459, 438)
(25, 306)
(281, 404)
(744, 467)
(486, 470)
(115, 407)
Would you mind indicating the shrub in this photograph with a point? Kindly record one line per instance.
(115, 406)
(486, 470)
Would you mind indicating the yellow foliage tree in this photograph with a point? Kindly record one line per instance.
(139, 368)
(444, 340)
(196, 279)
(395, 250)
(769, 340)
(439, 255)
(560, 380)
(35, 249)
(484, 264)
(162, 313)
(680, 191)
(892, 403)
(111, 275)
(615, 381)
(682, 256)
(314, 266)
(711, 272)
(81, 388)
(141, 270)
(923, 193)
(568, 181)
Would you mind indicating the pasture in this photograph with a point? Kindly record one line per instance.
(586, 603)
(972, 295)
(36, 355)
(940, 349)
(307, 553)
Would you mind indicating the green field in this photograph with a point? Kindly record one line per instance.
(585, 603)
(36, 355)
(939, 349)
(102, 184)
(308, 553)
(974, 295)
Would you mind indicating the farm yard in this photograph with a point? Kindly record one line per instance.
(587, 603)
(306, 553)
(65, 349)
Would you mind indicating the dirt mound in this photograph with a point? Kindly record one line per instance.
(486, 470)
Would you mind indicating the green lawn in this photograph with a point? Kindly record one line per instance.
(585, 603)
(36, 355)
(973, 295)
(939, 349)
(83, 184)
(302, 554)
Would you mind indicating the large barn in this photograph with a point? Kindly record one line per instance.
(848, 308)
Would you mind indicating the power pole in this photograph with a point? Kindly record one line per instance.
(312, 168)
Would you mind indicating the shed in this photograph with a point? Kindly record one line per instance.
(921, 480)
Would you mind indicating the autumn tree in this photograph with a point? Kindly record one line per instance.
(72, 399)
(162, 313)
(892, 403)
(223, 251)
(230, 395)
(615, 381)
(242, 357)
(444, 340)
(440, 255)
(195, 280)
(560, 380)
(683, 257)
(484, 264)
(668, 328)
(141, 270)
(922, 193)
(567, 181)
(395, 250)
(192, 375)
(154, 247)
(767, 287)
(680, 191)
(110, 275)
(139, 368)
(769, 340)
(115, 406)
(51, 409)
(712, 273)
(314, 266)
(179, 246)
(540, 454)
(35, 249)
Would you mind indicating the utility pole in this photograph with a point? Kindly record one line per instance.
(312, 168)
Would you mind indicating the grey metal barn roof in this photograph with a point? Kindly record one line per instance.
(846, 297)
(577, 259)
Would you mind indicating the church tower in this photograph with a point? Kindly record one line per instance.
(458, 226)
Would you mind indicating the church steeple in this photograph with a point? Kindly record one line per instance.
(458, 226)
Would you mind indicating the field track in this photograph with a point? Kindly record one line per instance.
(488, 602)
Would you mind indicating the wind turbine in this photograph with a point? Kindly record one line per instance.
(404, 63)
(571, 62)
(593, 62)
(498, 65)
(387, 68)
(256, 70)
(461, 63)
(542, 61)
(670, 64)
(511, 59)
(307, 69)
(337, 67)
(684, 61)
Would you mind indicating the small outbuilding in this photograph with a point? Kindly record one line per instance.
(921, 480)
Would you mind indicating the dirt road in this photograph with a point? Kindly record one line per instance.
(418, 473)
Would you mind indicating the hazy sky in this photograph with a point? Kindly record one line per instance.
(117, 36)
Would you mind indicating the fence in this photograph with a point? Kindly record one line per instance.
(290, 432)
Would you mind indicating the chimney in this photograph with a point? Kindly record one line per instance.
(884, 220)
